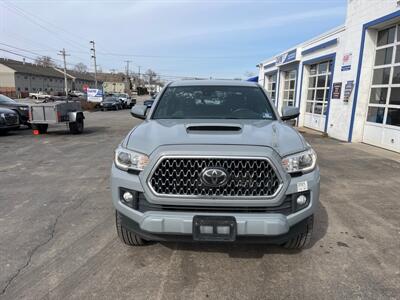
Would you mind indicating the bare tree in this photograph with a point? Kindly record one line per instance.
(151, 75)
(45, 61)
(81, 68)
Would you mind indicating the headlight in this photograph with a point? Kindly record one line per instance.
(300, 162)
(130, 160)
(23, 108)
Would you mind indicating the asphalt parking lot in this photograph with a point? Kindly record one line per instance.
(58, 237)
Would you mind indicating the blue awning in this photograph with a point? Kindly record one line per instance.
(253, 79)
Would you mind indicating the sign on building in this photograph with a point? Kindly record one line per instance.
(94, 95)
(346, 62)
(348, 89)
(286, 57)
(337, 90)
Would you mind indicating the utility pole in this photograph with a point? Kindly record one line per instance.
(127, 79)
(93, 53)
(63, 54)
(139, 76)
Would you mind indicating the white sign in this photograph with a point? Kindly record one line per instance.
(302, 186)
(346, 63)
(94, 95)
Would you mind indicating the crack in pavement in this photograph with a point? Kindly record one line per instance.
(30, 255)
(52, 232)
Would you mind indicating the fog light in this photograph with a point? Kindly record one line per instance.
(301, 200)
(128, 197)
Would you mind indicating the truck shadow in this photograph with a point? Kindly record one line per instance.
(238, 250)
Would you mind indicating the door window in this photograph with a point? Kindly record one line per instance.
(384, 99)
(319, 82)
(271, 86)
(289, 88)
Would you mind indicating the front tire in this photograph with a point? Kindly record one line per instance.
(77, 126)
(126, 236)
(303, 239)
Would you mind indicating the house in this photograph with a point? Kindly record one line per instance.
(19, 78)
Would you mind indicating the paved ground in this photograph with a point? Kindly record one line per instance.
(57, 235)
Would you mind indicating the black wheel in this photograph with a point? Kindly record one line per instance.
(77, 126)
(42, 128)
(126, 236)
(302, 240)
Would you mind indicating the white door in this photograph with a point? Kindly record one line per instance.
(319, 82)
(382, 125)
(289, 88)
(270, 86)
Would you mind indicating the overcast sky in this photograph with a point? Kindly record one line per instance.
(204, 38)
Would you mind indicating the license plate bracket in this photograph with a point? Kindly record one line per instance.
(214, 228)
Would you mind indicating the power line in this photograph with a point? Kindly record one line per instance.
(35, 20)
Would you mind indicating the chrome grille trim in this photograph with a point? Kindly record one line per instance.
(278, 184)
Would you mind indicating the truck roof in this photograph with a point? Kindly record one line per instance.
(212, 82)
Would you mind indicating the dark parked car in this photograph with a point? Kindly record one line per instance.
(21, 109)
(8, 120)
(111, 103)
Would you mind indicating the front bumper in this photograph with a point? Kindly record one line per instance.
(180, 223)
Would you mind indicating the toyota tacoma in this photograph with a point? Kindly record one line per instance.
(214, 161)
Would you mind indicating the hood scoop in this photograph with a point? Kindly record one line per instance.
(212, 127)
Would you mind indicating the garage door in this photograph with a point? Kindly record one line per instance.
(382, 124)
(319, 81)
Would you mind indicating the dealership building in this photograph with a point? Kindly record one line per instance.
(346, 82)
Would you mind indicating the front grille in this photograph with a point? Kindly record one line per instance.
(11, 119)
(246, 177)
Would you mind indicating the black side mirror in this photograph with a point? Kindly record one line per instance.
(289, 113)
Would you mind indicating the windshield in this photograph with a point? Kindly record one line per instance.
(6, 100)
(213, 102)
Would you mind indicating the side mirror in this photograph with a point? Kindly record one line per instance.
(139, 111)
(289, 113)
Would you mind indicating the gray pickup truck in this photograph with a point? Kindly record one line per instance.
(213, 161)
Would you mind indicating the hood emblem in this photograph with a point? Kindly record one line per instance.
(214, 177)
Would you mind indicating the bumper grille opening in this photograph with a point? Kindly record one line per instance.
(246, 177)
(286, 208)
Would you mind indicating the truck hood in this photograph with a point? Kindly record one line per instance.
(152, 134)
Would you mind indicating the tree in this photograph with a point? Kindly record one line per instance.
(45, 61)
(151, 75)
(81, 68)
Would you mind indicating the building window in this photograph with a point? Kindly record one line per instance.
(271, 86)
(289, 88)
(384, 97)
(26, 89)
(51, 80)
(319, 82)
(18, 89)
(25, 77)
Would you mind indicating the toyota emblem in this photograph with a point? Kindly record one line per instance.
(214, 177)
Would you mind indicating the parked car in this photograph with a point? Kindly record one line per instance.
(21, 109)
(148, 102)
(40, 95)
(223, 166)
(111, 103)
(76, 94)
(127, 101)
(8, 120)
